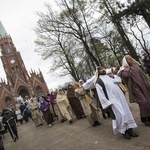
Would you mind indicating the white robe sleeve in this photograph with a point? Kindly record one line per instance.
(90, 83)
(103, 100)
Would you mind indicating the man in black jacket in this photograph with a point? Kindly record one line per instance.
(9, 120)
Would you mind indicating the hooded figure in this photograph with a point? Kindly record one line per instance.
(138, 84)
(9, 120)
(75, 102)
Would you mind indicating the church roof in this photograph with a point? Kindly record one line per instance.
(3, 32)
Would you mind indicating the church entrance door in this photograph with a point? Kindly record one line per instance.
(23, 92)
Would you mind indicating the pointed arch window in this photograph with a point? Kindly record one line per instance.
(7, 47)
(39, 90)
(11, 46)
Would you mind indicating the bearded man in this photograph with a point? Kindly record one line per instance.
(138, 84)
(112, 97)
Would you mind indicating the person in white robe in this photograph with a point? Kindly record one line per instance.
(19, 116)
(123, 122)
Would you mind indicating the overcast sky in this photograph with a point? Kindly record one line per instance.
(19, 19)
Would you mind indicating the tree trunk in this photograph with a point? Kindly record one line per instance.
(120, 30)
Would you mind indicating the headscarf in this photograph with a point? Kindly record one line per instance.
(41, 99)
(124, 61)
(44, 105)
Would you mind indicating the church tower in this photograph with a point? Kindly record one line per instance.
(19, 82)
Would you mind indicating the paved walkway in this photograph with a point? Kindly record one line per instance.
(78, 136)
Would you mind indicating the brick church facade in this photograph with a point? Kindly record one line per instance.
(19, 81)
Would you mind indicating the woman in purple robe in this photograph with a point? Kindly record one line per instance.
(45, 108)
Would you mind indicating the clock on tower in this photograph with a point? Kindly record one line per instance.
(12, 61)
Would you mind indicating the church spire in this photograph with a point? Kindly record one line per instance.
(3, 32)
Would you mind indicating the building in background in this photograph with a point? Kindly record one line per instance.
(19, 82)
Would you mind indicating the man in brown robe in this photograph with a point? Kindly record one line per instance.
(75, 102)
(138, 84)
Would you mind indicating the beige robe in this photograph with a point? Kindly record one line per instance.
(36, 115)
(90, 110)
(80, 92)
(64, 106)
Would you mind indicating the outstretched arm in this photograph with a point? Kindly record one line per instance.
(125, 72)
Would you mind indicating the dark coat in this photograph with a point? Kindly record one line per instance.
(9, 117)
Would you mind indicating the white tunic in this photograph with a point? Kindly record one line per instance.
(124, 119)
(18, 113)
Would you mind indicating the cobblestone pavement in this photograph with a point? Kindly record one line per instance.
(78, 136)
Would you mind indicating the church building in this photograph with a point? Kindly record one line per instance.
(18, 81)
